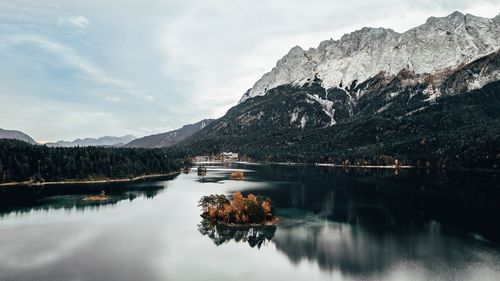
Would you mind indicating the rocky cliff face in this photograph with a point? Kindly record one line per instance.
(428, 97)
(312, 106)
(448, 118)
(434, 46)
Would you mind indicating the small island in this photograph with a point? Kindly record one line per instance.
(237, 175)
(240, 211)
(100, 197)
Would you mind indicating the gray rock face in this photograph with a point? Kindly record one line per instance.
(438, 44)
(450, 118)
(310, 106)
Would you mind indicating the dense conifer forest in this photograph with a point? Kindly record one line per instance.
(459, 131)
(20, 161)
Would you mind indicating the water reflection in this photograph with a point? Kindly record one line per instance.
(359, 225)
(24, 199)
(379, 200)
(215, 173)
(76, 202)
(367, 222)
(360, 252)
(220, 234)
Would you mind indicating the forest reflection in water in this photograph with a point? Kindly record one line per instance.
(255, 236)
(333, 224)
(25, 199)
(365, 222)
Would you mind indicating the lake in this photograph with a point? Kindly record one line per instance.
(335, 224)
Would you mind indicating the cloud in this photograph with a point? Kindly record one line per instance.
(60, 120)
(78, 22)
(167, 63)
(72, 58)
(113, 99)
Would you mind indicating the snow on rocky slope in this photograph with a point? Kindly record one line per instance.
(438, 44)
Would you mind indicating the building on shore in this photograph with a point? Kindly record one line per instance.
(222, 157)
(229, 156)
(202, 158)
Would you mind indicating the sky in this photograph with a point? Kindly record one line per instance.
(71, 69)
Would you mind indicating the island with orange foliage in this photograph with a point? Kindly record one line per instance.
(100, 197)
(239, 211)
(237, 175)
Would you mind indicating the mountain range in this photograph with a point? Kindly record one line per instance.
(152, 141)
(101, 141)
(428, 95)
(169, 138)
(439, 43)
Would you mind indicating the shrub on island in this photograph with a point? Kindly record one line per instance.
(250, 210)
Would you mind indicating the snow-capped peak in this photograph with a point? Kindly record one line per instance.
(440, 43)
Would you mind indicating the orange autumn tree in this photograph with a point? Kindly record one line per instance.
(239, 210)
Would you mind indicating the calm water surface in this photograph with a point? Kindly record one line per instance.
(334, 225)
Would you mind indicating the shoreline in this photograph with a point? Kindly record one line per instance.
(29, 183)
(381, 167)
(392, 167)
(250, 225)
(406, 167)
(366, 166)
(151, 176)
(271, 223)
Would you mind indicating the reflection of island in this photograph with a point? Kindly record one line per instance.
(255, 236)
(242, 219)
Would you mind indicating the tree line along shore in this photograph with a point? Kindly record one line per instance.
(24, 163)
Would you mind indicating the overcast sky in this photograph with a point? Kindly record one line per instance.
(88, 68)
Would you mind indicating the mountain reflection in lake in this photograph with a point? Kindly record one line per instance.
(334, 224)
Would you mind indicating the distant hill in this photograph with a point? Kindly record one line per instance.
(12, 134)
(169, 138)
(102, 141)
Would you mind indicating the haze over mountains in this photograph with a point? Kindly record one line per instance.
(153, 141)
(101, 141)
